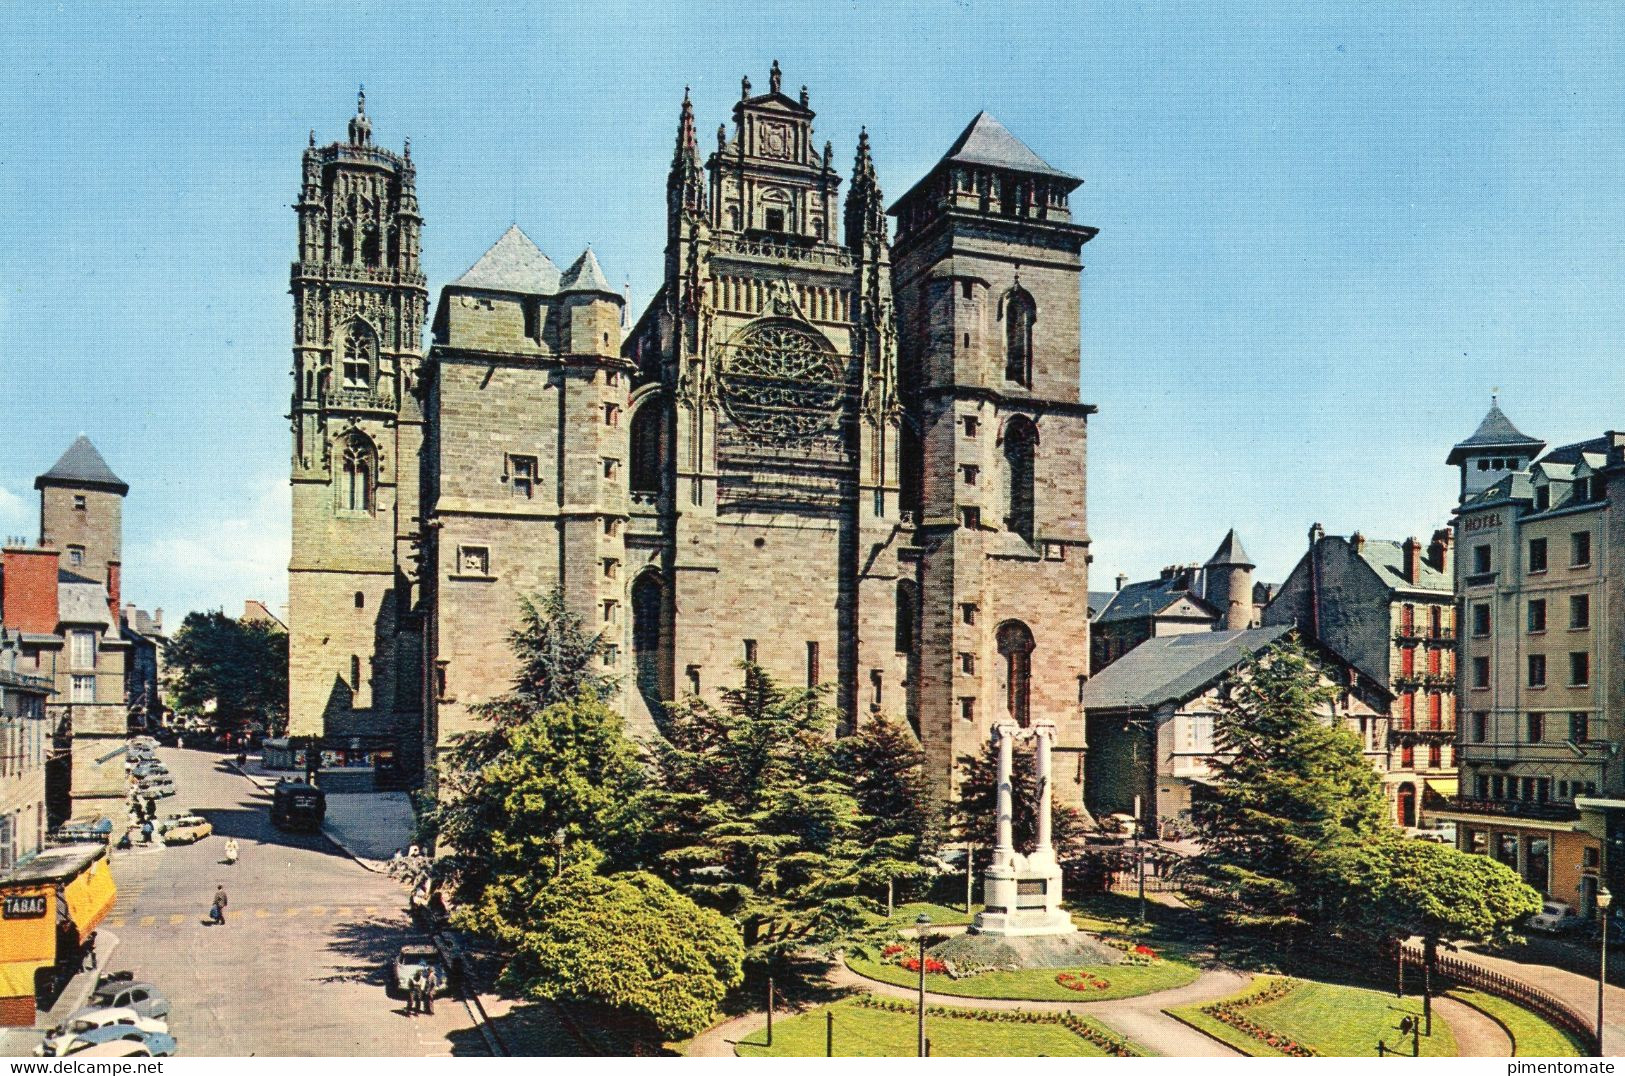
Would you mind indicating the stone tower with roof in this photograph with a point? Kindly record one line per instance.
(1495, 450)
(82, 515)
(1227, 584)
(359, 301)
(986, 276)
(524, 467)
(766, 520)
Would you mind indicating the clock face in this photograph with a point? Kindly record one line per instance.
(782, 383)
(774, 140)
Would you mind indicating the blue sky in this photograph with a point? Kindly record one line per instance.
(1327, 231)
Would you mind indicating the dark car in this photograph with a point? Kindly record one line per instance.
(297, 805)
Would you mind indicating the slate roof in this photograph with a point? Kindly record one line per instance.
(1230, 552)
(1569, 455)
(1098, 600)
(1174, 668)
(585, 275)
(142, 623)
(83, 603)
(1496, 431)
(82, 465)
(513, 263)
(988, 142)
(1148, 598)
(1387, 559)
(1513, 487)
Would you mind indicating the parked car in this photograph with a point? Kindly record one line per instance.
(156, 787)
(117, 1040)
(90, 1020)
(188, 829)
(144, 741)
(86, 829)
(143, 997)
(297, 805)
(143, 770)
(411, 960)
(1555, 917)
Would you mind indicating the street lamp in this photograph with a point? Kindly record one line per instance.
(1604, 899)
(920, 926)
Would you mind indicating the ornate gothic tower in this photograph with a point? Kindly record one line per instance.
(987, 293)
(359, 304)
(765, 520)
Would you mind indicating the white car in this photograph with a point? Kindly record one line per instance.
(90, 1020)
(1555, 917)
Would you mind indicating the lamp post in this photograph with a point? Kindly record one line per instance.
(1604, 899)
(920, 925)
(558, 851)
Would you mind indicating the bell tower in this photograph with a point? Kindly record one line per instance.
(359, 301)
(986, 266)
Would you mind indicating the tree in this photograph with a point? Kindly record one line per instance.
(626, 940)
(239, 668)
(748, 813)
(1292, 791)
(552, 763)
(886, 766)
(975, 816)
(1410, 888)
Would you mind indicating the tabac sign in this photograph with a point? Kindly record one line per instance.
(24, 906)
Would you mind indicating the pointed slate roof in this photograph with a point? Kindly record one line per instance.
(1231, 553)
(82, 466)
(585, 275)
(988, 142)
(1496, 431)
(513, 263)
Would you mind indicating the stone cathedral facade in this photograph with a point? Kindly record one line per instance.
(852, 457)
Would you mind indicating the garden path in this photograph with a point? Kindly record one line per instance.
(1476, 1034)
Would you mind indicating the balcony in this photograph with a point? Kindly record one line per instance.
(359, 399)
(1427, 735)
(1443, 638)
(1482, 579)
(1544, 812)
(1407, 636)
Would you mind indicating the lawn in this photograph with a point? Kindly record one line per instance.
(1532, 1035)
(1127, 980)
(1331, 1019)
(866, 1032)
(942, 915)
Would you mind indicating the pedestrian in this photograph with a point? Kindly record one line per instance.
(146, 832)
(231, 851)
(87, 960)
(217, 910)
(414, 993)
(430, 982)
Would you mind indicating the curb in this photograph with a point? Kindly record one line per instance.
(1232, 1047)
(372, 865)
(106, 945)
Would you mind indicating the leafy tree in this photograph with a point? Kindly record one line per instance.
(564, 774)
(240, 667)
(626, 940)
(1292, 791)
(1409, 888)
(748, 813)
(975, 816)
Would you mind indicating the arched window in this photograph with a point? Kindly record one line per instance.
(358, 357)
(647, 427)
(1020, 448)
(905, 616)
(356, 482)
(394, 246)
(1019, 315)
(370, 246)
(650, 660)
(355, 673)
(1016, 646)
(346, 243)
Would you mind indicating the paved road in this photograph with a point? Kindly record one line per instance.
(297, 969)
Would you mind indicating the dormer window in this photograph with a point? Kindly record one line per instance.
(1543, 498)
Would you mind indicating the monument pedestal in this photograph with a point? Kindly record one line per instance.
(1021, 894)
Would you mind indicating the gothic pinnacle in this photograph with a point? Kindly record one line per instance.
(803, 97)
(774, 78)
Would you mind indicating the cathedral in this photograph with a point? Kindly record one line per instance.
(850, 453)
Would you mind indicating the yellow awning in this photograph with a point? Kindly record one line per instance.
(90, 896)
(1444, 786)
(27, 936)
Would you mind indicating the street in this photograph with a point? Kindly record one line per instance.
(298, 968)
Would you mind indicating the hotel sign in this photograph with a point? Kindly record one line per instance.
(1481, 523)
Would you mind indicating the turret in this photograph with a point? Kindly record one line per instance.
(1228, 583)
(1495, 450)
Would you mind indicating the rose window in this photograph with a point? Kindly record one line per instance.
(782, 383)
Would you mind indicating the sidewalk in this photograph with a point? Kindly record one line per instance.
(20, 1041)
(1577, 991)
(368, 826)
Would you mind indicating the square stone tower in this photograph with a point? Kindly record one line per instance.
(359, 301)
(986, 277)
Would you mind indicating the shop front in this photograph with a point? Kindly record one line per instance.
(48, 907)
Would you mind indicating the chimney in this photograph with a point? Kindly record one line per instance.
(1413, 559)
(1357, 540)
(113, 569)
(1316, 533)
(30, 594)
(158, 619)
(1121, 579)
(1439, 550)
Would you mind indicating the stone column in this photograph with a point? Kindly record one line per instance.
(1043, 738)
(1005, 850)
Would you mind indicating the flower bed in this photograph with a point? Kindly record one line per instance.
(1082, 981)
(1139, 953)
(1232, 1014)
(1112, 1046)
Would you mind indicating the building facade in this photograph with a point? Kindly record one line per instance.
(1540, 570)
(25, 739)
(1388, 609)
(854, 461)
(61, 598)
(359, 300)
